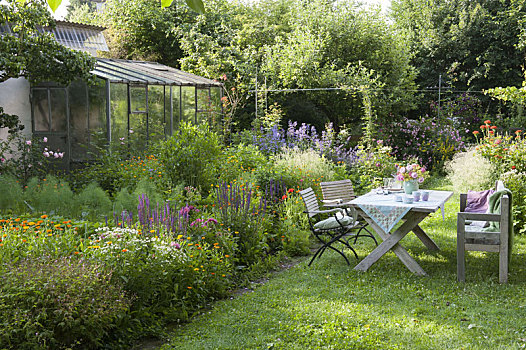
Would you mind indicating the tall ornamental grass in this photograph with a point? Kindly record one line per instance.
(471, 171)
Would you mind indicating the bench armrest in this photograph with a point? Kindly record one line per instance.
(479, 216)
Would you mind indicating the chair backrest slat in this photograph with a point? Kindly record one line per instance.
(341, 189)
(310, 200)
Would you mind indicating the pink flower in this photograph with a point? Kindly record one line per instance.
(131, 131)
(61, 154)
(402, 170)
(420, 179)
(409, 167)
(28, 142)
(44, 139)
(46, 154)
(414, 175)
(400, 177)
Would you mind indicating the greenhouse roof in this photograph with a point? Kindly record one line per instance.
(143, 73)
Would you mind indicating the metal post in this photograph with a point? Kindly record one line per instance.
(108, 113)
(256, 93)
(266, 97)
(171, 111)
(180, 103)
(195, 88)
(439, 92)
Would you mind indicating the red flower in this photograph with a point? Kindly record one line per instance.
(476, 132)
(487, 121)
(284, 197)
(491, 132)
(493, 127)
(513, 167)
(483, 126)
(518, 132)
(290, 190)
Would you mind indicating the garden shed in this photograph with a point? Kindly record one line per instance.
(131, 103)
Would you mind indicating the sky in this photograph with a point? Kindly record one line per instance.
(62, 9)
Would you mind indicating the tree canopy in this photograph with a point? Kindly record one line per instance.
(34, 54)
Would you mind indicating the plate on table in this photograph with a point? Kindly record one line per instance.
(395, 190)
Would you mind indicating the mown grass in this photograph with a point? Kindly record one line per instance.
(331, 306)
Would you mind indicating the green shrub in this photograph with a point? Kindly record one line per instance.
(516, 182)
(239, 159)
(58, 303)
(299, 168)
(371, 166)
(147, 187)
(50, 195)
(431, 141)
(124, 200)
(191, 156)
(471, 171)
(93, 203)
(12, 194)
(169, 276)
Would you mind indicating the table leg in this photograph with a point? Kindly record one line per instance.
(390, 242)
(428, 242)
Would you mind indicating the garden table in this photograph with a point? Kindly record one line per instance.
(382, 213)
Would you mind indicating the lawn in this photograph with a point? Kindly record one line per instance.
(331, 306)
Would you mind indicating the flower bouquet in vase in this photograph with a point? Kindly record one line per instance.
(411, 176)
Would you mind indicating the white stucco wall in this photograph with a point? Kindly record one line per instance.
(14, 98)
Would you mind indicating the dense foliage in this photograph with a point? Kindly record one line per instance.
(33, 54)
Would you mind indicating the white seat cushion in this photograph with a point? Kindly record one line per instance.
(331, 222)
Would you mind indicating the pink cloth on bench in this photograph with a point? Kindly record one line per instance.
(477, 201)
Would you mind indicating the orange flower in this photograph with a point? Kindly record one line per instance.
(43, 216)
(518, 132)
(476, 132)
(483, 126)
(487, 121)
(493, 127)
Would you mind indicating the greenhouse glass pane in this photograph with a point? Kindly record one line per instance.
(119, 114)
(167, 122)
(59, 119)
(78, 117)
(97, 115)
(40, 110)
(137, 136)
(156, 122)
(176, 93)
(138, 98)
(188, 104)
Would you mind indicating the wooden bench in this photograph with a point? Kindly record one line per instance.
(473, 238)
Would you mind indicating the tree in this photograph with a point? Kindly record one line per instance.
(297, 44)
(33, 54)
(141, 30)
(474, 43)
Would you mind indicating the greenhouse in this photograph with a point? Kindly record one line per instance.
(131, 103)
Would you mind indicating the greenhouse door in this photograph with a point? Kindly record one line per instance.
(51, 123)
